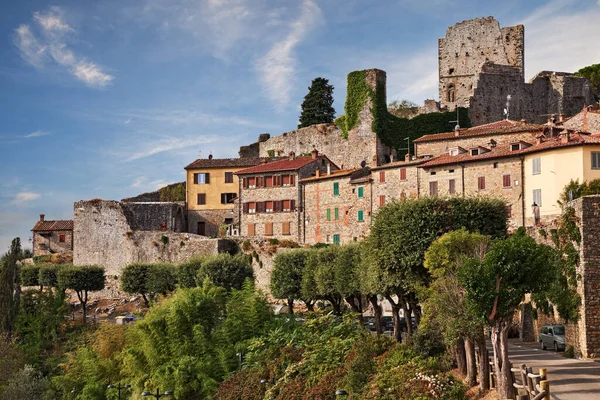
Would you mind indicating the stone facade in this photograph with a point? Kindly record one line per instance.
(104, 235)
(52, 237)
(362, 143)
(338, 206)
(211, 220)
(395, 180)
(155, 216)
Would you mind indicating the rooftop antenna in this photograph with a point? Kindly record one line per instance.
(507, 109)
(407, 148)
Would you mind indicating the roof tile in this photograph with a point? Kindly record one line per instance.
(498, 127)
(286, 164)
(228, 162)
(61, 225)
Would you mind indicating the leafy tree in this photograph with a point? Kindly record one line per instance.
(148, 280)
(82, 279)
(30, 275)
(25, 384)
(320, 266)
(286, 277)
(175, 192)
(402, 105)
(188, 271)
(403, 230)
(592, 74)
(317, 107)
(347, 274)
(497, 285)
(227, 271)
(10, 288)
(48, 275)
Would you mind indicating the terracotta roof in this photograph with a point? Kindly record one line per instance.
(286, 164)
(576, 139)
(362, 179)
(498, 127)
(334, 174)
(53, 226)
(228, 162)
(398, 164)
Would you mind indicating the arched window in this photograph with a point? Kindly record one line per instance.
(451, 96)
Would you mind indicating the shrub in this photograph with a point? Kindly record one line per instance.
(273, 241)
(30, 274)
(25, 384)
(148, 280)
(188, 271)
(226, 271)
(164, 239)
(569, 352)
(428, 341)
(246, 245)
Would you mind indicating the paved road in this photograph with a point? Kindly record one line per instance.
(570, 379)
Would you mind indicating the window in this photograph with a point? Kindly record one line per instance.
(402, 196)
(201, 199)
(286, 180)
(61, 238)
(361, 192)
(336, 188)
(381, 201)
(481, 183)
(202, 178)
(595, 160)
(474, 152)
(453, 152)
(402, 174)
(495, 165)
(228, 177)
(202, 228)
(361, 215)
(268, 228)
(227, 198)
(286, 205)
(450, 171)
(252, 182)
(328, 218)
(251, 208)
(451, 186)
(382, 176)
(515, 146)
(285, 228)
(506, 181)
(268, 181)
(268, 206)
(537, 166)
(537, 196)
(433, 188)
(433, 173)
(328, 239)
(336, 214)
(336, 239)
(251, 229)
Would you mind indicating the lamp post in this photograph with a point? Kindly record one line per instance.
(119, 388)
(239, 355)
(158, 395)
(74, 392)
(341, 392)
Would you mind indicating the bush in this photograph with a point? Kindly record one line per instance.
(428, 341)
(148, 280)
(25, 384)
(569, 352)
(30, 274)
(273, 241)
(188, 271)
(226, 271)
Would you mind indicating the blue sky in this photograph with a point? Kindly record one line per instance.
(110, 99)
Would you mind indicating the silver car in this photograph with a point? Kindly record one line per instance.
(553, 336)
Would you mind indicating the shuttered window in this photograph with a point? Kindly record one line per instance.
(286, 180)
(268, 206)
(361, 215)
(433, 188)
(481, 183)
(452, 186)
(268, 228)
(381, 176)
(202, 178)
(251, 182)
(361, 192)
(336, 239)
(381, 201)
(285, 228)
(506, 181)
(537, 166)
(509, 211)
(201, 199)
(286, 205)
(268, 181)
(328, 218)
(251, 208)
(595, 159)
(336, 188)
(251, 230)
(228, 177)
(402, 174)
(537, 196)
(336, 214)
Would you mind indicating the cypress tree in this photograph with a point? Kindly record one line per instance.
(317, 107)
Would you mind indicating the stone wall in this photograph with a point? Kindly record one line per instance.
(212, 219)
(394, 187)
(149, 216)
(103, 236)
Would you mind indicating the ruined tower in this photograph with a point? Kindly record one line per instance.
(467, 46)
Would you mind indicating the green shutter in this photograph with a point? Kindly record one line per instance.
(336, 239)
(361, 192)
(336, 213)
(336, 188)
(361, 215)
(329, 214)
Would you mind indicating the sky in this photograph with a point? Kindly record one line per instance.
(109, 99)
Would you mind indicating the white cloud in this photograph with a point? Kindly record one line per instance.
(138, 182)
(24, 197)
(169, 144)
(51, 47)
(36, 134)
(277, 68)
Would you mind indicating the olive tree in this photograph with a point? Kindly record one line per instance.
(286, 277)
(319, 280)
(82, 280)
(226, 271)
(30, 276)
(148, 280)
(347, 274)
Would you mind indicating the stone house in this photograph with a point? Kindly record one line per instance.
(337, 206)
(211, 190)
(588, 120)
(52, 237)
(271, 196)
(395, 180)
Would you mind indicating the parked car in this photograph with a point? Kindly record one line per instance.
(387, 323)
(553, 336)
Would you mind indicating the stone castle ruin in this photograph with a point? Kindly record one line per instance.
(480, 64)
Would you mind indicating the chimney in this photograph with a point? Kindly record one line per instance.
(565, 137)
(457, 131)
(391, 158)
(210, 156)
(42, 217)
(523, 120)
(407, 157)
(561, 117)
(538, 139)
(292, 155)
(328, 168)
(314, 153)
(318, 172)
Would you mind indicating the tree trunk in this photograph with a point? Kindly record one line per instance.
(484, 366)
(377, 312)
(310, 305)
(461, 356)
(415, 309)
(396, 317)
(501, 362)
(471, 363)
(291, 306)
(83, 302)
(407, 319)
(356, 306)
(146, 302)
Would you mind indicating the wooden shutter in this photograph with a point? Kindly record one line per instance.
(381, 176)
(481, 183)
(381, 201)
(245, 183)
(402, 174)
(433, 188)
(506, 181)
(207, 178)
(285, 228)
(196, 179)
(251, 230)
(245, 208)
(292, 180)
(292, 205)
(451, 186)
(268, 228)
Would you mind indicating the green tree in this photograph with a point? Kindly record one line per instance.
(148, 280)
(25, 384)
(319, 278)
(175, 192)
(286, 278)
(30, 275)
(82, 279)
(347, 274)
(227, 271)
(496, 286)
(188, 271)
(317, 107)
(592, 74)
(402, 105)
(10, 288)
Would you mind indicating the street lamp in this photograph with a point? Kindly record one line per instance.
(239, 355)
(118, 387)
(158, 395)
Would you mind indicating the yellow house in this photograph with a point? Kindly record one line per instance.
(211, 187)
(552, 165)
